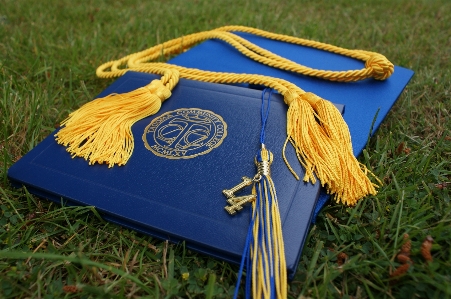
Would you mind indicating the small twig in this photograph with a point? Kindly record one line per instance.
(145, 243)
(36, 249)
(165, 251)
(159, 283)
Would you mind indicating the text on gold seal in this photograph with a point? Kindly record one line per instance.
(184, 133)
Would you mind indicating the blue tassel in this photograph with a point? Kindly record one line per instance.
(264, 254)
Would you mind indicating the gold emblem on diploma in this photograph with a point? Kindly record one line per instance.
(184, 133)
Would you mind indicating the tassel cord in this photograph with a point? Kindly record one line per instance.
(376, 65)
(264, 113)
(269, 279)
(244, 257)
(264, 253)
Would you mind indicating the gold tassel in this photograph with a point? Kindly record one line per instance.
(322, 141)
(276, 250)
(100, 130)
(264, 248)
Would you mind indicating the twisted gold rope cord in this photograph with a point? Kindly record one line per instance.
(376, 65)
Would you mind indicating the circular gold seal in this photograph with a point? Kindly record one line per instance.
(184, 133)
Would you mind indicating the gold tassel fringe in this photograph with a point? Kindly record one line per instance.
(100, 131)
(323, 143)
(269, 271)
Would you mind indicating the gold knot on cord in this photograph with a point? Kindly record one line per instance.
(381, 68)
(292, 93)
(311, 98)
(157, 88)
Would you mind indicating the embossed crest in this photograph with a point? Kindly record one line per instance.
(184, 133)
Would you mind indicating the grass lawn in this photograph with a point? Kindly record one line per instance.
(49, 51)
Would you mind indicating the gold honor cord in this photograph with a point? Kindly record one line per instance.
(100, 131)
